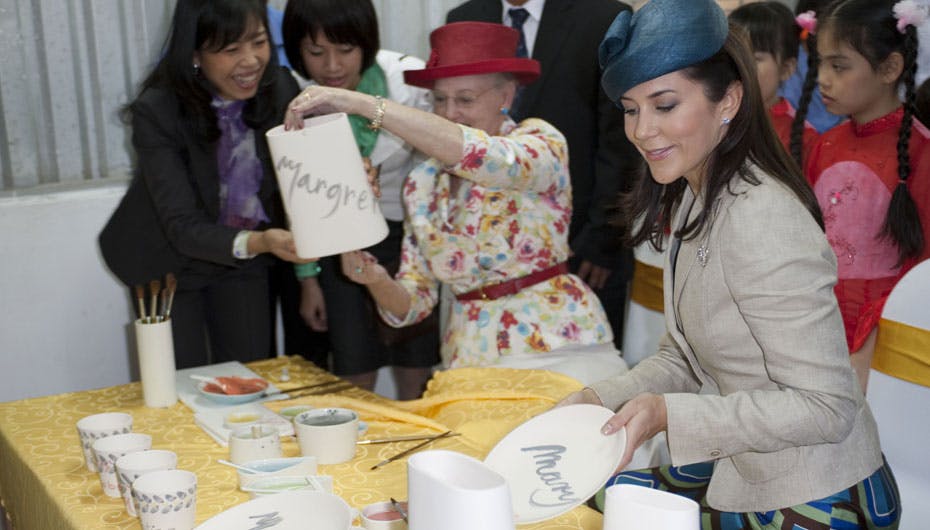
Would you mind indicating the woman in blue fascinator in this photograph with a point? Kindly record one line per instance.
(765, 422)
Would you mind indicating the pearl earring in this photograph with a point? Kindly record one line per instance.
(726, 121)
(504, 110)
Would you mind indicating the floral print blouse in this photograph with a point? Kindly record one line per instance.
(507, 217)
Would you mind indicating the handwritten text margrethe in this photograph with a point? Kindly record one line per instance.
(337, 194)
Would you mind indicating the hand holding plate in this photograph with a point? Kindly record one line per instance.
(644, 416)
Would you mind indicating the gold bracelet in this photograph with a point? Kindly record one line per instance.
(379, 114)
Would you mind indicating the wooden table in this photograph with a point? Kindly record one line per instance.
(44, 484)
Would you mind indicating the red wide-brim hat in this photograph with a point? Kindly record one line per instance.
(473, 48)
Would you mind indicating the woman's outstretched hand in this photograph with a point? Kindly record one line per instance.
(315, 100)
(390, 295)
(361, 267)
(277, 241)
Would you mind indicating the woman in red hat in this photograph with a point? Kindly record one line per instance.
(487, 214)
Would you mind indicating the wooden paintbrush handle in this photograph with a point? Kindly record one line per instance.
(154, 288)
(410, 450)
(171, 285)
(140, 299)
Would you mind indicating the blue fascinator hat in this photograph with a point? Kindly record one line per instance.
(660, 38)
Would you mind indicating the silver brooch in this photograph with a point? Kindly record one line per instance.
(702, 254)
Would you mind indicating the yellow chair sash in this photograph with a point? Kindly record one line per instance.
(647, 286)
(903, 351)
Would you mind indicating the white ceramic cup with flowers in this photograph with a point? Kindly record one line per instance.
(110, 449)
(96, 426)
(134, 465)
(166, 499)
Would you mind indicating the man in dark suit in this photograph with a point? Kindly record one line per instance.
(564, 35)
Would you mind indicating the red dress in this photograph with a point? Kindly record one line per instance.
(853, 169)
(782, 116)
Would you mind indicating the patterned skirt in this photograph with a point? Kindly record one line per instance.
(871, 504)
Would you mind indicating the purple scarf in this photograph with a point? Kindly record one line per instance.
(240, 170)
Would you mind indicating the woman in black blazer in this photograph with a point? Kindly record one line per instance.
(203, 204)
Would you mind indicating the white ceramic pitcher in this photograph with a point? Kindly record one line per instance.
(452, 491)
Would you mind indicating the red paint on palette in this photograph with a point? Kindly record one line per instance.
(385, 516)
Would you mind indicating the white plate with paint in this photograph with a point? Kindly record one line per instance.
(557, 460)
(289, 510)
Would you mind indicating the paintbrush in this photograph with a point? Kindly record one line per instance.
(164, 303)
(300, 389)
(330, 389)
(307, 387)
(397, 508)
(410, 450)
(411, 438)
(171, 284)
(154, 287)
(140, 298)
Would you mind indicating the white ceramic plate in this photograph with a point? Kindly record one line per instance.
(290, 510)
(230, 399)
(187, 387)
(557, 460)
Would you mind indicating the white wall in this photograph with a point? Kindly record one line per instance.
(65, 68)
(65, 318)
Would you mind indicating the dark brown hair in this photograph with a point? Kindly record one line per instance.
(771, 29)
(342, 21)
(750, 136)
(209, 25)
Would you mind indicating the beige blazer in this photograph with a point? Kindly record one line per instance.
(754, 365)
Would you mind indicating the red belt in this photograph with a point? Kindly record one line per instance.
(514, 286)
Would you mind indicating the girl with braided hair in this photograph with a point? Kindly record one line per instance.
(814, 111)
(871, 174)
(774, 36)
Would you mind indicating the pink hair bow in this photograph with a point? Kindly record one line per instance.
(808, 22)
(909, 13)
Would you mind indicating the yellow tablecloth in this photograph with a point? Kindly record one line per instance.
(44, 484)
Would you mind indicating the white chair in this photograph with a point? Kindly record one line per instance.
(644, 324)
(901, 407)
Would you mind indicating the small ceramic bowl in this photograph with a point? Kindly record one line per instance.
(289, 413)
(299, 466)
(234, 420)
(384, 516)
(273, 485)
(229, 399)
